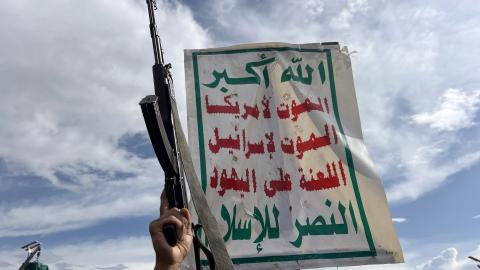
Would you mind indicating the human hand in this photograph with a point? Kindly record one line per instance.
(168, 257)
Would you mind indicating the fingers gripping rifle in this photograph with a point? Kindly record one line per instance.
(157, 112)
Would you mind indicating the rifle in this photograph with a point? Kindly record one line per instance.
(157, 113)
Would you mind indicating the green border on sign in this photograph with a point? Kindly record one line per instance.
(261, 259)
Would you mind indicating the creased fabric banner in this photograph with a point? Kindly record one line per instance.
(275, 134)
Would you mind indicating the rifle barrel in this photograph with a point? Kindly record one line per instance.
(156, 44)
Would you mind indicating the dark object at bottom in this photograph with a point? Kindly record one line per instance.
(197, 246)
(36, 266)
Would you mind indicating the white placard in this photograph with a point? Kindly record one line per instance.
(275, 135)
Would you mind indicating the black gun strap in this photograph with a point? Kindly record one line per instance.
(210, 226)
(197, 245)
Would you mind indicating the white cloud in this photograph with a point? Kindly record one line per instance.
(342, 21)
(137, 196)
(134, 253)
(313, 7)
(73, 83)
(456, 109)
(399, 220)
(476, 217)
(447, 260)
(358, 5)
(425, 176)
(64, 211)
(4, 265)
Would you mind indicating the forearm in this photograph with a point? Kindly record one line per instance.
(160, 266)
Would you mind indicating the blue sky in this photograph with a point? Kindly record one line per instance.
(76, 168)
